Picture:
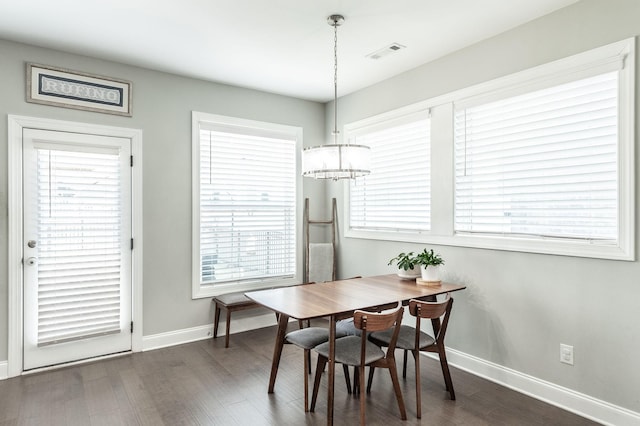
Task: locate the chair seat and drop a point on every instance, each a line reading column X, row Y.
column 406, row 338
column 348, row 351
column 346, row 328
column 307, row 338
column 233, row 299
column 310, row 337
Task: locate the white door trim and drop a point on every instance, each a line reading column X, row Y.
column 15, row 295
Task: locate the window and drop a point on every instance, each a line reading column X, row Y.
column 395, row 197
column 541, row 164
column 245, row 204
column 540, row 161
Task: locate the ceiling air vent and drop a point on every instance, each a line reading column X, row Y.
column 387, row 50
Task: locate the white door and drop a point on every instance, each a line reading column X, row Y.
column 77, row 246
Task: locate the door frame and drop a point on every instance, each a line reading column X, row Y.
column 15, row 300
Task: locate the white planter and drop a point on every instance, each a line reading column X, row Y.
column 430, row 273
column 409, row 274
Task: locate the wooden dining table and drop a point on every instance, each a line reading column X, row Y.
column 337, row 300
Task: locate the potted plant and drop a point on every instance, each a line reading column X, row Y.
column 406, row 263
column 429, row 265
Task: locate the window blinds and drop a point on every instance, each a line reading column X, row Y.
column 541, row 164
column 247, row 204
column 396, row 196
column 80, row 245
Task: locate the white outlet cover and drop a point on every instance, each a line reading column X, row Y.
column 566, row 354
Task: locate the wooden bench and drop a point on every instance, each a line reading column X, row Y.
column 231, row 302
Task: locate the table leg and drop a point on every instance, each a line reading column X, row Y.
column 435, row 322
column 283, row 320
column 332, row 368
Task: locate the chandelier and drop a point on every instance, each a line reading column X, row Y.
column 336, row 161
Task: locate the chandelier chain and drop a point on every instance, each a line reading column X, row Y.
column 335, row 80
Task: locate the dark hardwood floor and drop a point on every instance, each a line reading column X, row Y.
column 203, row 383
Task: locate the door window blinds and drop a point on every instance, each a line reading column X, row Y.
column 542, row 163
column 247, row 204
column 80, row 244
column 396, row 196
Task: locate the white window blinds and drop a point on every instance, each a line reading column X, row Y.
column 80, row 244
column 541, row 164
column 396, row 196
column 247, row 204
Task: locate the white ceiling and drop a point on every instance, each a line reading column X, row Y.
column 279, row 46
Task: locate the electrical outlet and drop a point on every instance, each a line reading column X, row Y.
column 566, row 354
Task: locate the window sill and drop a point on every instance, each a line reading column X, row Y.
column 553, row 246
column 201, row 291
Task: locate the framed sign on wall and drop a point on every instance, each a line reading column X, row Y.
column 72, row 89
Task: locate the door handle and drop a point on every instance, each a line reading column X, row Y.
column 31, row 243
column 32, row 261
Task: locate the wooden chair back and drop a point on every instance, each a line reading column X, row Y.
column 378, row 321
column 432, row 310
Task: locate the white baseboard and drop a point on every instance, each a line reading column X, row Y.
column 4, row 370
column 567, row 399
column 178, row 337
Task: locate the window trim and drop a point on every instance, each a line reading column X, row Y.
column 198, row 289
column 442, row 147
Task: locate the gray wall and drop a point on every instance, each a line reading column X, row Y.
column 162, row 105
column 519, row 307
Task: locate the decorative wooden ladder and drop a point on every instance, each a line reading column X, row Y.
column 321, row 246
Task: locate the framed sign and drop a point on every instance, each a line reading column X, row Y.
column 72, row 89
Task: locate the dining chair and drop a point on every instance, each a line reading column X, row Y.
column 358, row 351
column 308, row 338
column 415, row 340
column 345, row 327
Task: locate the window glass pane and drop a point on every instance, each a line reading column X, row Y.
column 543, row 163
column 80, row 244
column 247, row 205
column 396, row 195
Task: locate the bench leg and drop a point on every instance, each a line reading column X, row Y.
column 226, row 337
column 216, row 320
